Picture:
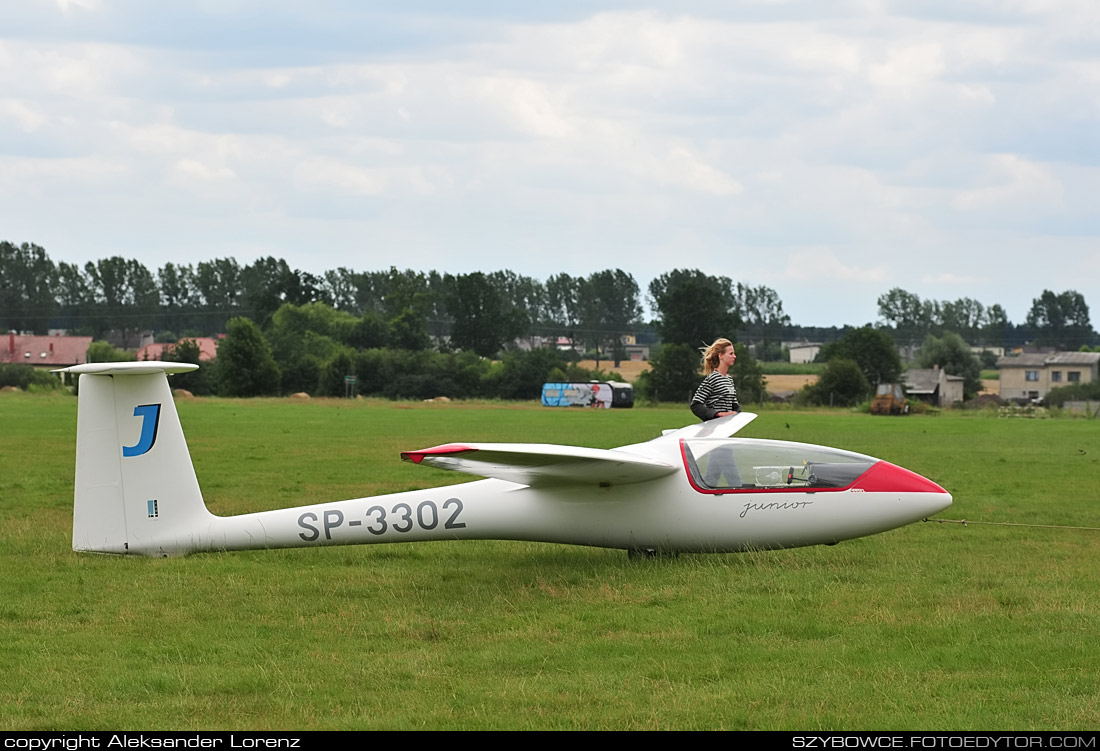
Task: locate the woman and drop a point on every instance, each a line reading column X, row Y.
column 716, row 396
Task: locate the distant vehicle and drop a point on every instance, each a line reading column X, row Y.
column 890, row 400
column 604, row 394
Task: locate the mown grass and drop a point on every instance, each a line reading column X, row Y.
column 770, row 367
column 927, row 627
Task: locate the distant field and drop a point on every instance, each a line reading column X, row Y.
column 793, row 382
column 929, row 627
column 630, row 370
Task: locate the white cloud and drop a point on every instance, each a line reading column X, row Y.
column 1014, row 182
column 29, row 118
column 33, row 175
column 332, row 175
column 68, row 5
column 530, row 106
column 824, row 265
column 948, row 278
column 834, row 146
column 192, row 168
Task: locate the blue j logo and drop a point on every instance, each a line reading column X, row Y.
column 150, row 421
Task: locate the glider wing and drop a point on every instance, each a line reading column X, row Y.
column 723, row 427
column 541, row 464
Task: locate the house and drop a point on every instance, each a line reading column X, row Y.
column 1032, row 375
column 934, row 386
column 208, row 348
column 803, row 351
column 46, row 352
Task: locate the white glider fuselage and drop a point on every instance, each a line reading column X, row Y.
column 690, row 490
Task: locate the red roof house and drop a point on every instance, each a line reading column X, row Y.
column 45, row 351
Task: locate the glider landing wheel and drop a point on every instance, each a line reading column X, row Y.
column 635, row 554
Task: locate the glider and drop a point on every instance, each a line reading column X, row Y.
column 695, row 489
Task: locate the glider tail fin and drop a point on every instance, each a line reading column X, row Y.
column 136, row 490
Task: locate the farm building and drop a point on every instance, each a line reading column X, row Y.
column 1032, row 376
column 934, row 386
column 803, row 351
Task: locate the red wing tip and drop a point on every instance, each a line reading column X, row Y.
column 448, row 448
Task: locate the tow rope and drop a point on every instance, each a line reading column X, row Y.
column 966, row 522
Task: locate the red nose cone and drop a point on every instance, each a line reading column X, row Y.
column 885, row 477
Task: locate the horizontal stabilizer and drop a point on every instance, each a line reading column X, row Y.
column 144, row 367
column 541, row 464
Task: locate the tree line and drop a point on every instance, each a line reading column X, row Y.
column 1055, row 319
column 316, row 330
column 479, row 311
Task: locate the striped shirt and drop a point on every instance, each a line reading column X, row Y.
column 715, row 394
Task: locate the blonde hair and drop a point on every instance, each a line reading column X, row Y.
column 713, row 353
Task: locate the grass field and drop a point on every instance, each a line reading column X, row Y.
column 932, row 626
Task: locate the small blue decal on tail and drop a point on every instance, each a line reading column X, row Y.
column 150, row 421
column 153, row 511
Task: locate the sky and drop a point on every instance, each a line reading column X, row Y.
column 830, row 151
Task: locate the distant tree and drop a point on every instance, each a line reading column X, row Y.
column 27, row 281
column 331, row 381
column 524, row 296
column 954, row 357
column 1057, row 397
column 988, row 359
column 694, row 308
column 27, row 377
column 562, row 313
column 761, row 310
column 124, row 295
column 840, row 384
column 198, row 382
column 484, row 320
column 610, row 307
column 965, row 317
column 872, row 349
column 219, row 285
column 263, row 285
column 370, row 331
column 100, row 351
column 179, row 297
column 995, row 325
column 339, row 287
column 74, row 296
column 521, row 374
column 1061, row 320
column 245, row 366
column 748, row 377
column 305, row 337
column 405, row 300
column 408, row 332
column 910, row 318
column 674, row 374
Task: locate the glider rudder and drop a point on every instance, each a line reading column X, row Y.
column 136, row 490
